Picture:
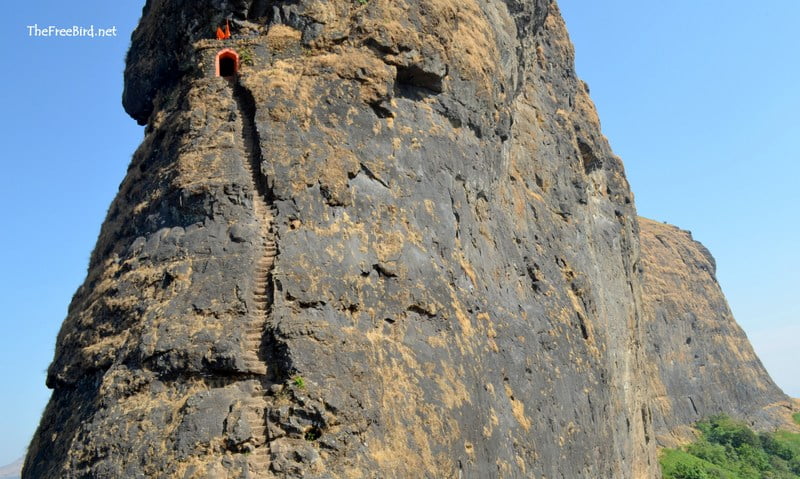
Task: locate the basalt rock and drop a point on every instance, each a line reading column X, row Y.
column 704, row 364
column 393, row 244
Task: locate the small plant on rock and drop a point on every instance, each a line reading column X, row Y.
column 246, row 57
column 313, row 434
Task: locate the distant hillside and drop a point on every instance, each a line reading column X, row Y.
column 13, row 470
column 705, row 362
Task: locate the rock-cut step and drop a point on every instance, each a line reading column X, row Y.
column 255, row 412
column 258, row 462
column 253, row 364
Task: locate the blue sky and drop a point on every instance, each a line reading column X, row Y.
column 66, row 145
column 698, row 98
column 701, row 102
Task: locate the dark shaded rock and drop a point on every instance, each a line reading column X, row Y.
column 202, row 419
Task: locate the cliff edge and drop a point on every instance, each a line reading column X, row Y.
column 704, row 364
column 394, row 244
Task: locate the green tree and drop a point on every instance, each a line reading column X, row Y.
column 729, row 449
column 685, row 470
column 713, row 453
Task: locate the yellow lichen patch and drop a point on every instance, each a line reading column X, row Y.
column 335, row 169
column 483, row 229
column 354, row 473
column 430, row 207
column 503, row 467
column 585, row 109
column 281, row 36
column 202, row 168
column 466, row 35
column 564, row 316
column 540, row 57
column 438, row 341
column 518, row 202
column 105, row 347
column 521, row 463
column 342, row 225
column 283, row 77
column 534, row 195
column 389, row 24
column 461, row 317
column 577, row 306
column 488, row 429
column 388, row 246
column 454, row 393
column 469, row 448
column 571, row 429
column 153, row 198
column 325, row 12
column 518, row 409
column 407, row 448
column 486, row 323
column 413, row 234
column 468, row 269
column 361, row 65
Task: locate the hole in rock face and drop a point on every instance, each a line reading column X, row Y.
column 313, row 433
column 227, row 63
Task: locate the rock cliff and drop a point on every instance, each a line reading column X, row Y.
column 395, row 244
column 704, row 364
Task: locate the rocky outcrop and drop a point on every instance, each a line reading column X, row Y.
column 704, row 364
column 452, row 290
column 396, row 244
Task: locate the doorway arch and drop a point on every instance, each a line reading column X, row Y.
column 227, row 63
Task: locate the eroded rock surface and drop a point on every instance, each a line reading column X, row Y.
column 452, row 289
column 396, row 244
column 704, row 364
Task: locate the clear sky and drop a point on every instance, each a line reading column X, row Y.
column 701, row 100
column 698, row 98
column 66, row 145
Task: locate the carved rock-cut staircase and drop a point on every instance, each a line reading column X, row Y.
column 260, row 304
column 262, row 287
column 255, row 412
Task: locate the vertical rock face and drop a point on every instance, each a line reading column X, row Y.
column 704, row 363
column 395, row 244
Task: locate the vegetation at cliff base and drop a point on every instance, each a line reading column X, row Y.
column 728, row 449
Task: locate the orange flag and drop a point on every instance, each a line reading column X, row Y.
column 220, row 34
column 227, row 29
